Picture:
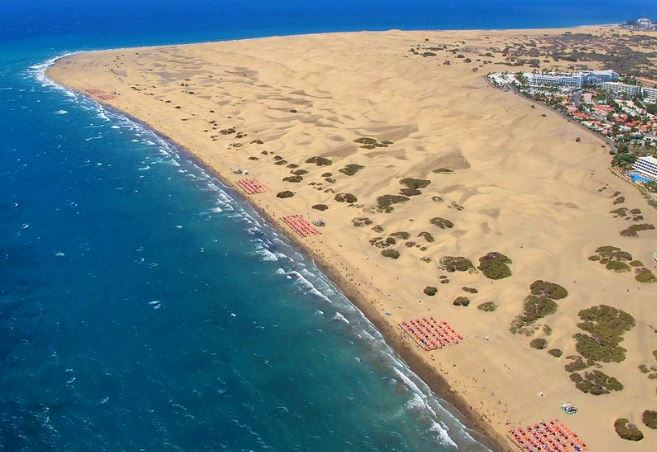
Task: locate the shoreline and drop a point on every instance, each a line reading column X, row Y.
column 514, row 163
column 470, row 418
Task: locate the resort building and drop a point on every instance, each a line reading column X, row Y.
column 577, row 80
column 649, row 94
column 646, row 166
column 621, row 88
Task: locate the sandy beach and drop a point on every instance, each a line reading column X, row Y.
column 398, row 144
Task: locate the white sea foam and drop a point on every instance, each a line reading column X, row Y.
column 339, row 317
column 61, row 112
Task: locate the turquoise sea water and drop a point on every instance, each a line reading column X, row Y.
column 143, row 305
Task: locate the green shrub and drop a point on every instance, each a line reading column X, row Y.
column 442, row 223
column 298, row 172
column 456, row 264
column 402, row 235
column 649, row 418
column 534, row 308
column 371, row 143
column 494, row 265
column 320, row 207
column 390, row 253
column 604, row 250
column 488, row 306
column 430, row 290
column 470, row 290
column 294, row 179
column 410, row 192
column 576, row 364
column 409, row 182
column 548, row 289
column 633, row 230
column 351, row 169
column 627, row 431
column 386, row 202
column 644, row 275
column 597, row 383
column 538, row 343
column 606, row 326
column 346, row 197
column 618, row 266
column 365, row 140
column 285, row 194
column 598, row 350
column 361, row 221
column 461, row 301
column 319, row 161
column 606, row 321
column 555, row 352
column 426, row 236
column 443, row 171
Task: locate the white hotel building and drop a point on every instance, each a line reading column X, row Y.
column 577, row 80
column 621, row 88
column 646, row 166
column 649, row 94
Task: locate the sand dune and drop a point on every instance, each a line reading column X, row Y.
column 507, row 177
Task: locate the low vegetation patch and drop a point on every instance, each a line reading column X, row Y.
column 361, row 221
column 386, row 202
column 410, row 192
column 371, row 143
column 627, row 430
column 619, row 261
column 633, row 231
column 401, row 235
column 470, row 290
column 461, row 301
column 606, row 326
column 379, row 242
column 320, row 207
column 351, row 169
column 645, row 276
column 390, row 253
column 294, row 179
column 575, row 364
column 456, row 264
column 426, row 236
column 409, row 182
column 596, row 382
column 649, row 418
column 555, row 352
column 319, row 161
column 547, row 289
column 488, row 306
column 534, row 308
column 285, row 194
column 298, row 172
column 430, row 290
column 443, row 171
column 494, row 265
column 442, row 223
column 346, row 197
column 538, row 343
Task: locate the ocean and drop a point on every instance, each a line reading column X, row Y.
column 143, row 304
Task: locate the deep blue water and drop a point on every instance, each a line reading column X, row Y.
column 142, row 304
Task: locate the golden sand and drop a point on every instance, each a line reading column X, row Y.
column 521, row 185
